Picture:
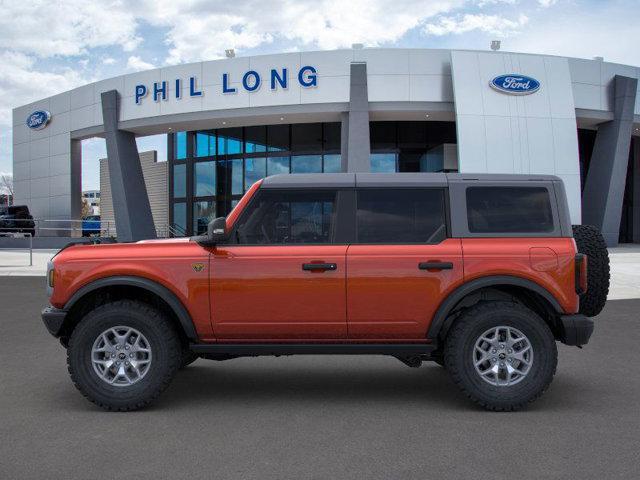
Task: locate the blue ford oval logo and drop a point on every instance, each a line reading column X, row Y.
column 38, row 119
column 515, row 84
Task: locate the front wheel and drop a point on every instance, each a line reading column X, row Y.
column 123, row 354
column 501, row 354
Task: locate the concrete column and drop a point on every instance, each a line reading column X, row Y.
column 604, row 187
column 636, row 189
column 76, row 185
column 344, row 141
column 357, row 142
column 130, row 201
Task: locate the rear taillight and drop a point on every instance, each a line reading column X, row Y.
column 581, row 273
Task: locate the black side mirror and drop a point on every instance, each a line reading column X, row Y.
column 217, row 230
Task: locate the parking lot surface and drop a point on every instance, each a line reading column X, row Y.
column 316, row 417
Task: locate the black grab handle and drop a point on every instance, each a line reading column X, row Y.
column 319, row 266
column 435, row 265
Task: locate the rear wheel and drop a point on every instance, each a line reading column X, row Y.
column 123, row 354
column 590, row 241
column 501, row 354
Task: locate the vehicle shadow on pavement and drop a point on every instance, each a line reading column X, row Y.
column 429, row 386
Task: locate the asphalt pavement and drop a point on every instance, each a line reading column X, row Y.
column 316, row 417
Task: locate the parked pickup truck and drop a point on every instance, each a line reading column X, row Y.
column 482, row 274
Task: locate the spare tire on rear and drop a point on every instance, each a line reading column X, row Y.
column 590, row 242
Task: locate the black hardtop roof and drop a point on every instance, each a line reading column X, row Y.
column 418, row 179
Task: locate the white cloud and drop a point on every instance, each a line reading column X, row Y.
column 491, row 24
column 136, row 63
column 325, row 24
column 71, row 27
column 547, row 3
column 108, row 61
column 587, row 37
column 20, row 83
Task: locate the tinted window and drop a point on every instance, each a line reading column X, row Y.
column 203, row 213
column 180, row 146
column 204, row 181
column 205, row 144
column 288, row 217
column 306, row 164
column 509, row 209
column 180, row 180
column 401, row 216
column 332, row 163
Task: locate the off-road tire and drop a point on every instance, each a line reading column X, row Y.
column 460, row 343
column 590, row 241
column 165, row 346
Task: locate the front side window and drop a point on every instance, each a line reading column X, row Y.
column 278, row 217
column 509, row 210
column 401, row 216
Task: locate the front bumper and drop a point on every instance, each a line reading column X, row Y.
column 576, row 329
column 53, row 319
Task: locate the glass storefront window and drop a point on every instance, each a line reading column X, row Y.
column 203, row 213
column 276, row 165
column 331, row 133
column 180, row 180
column 230, row 141
column 205, row 144
column 180, row 217
column 243, row 155
column 306, row 164
column 255, row 139
column 254, row 170
column 180, row 146
column 204, row 179
column 383, row 162
column 278, row 137
column 332, row 164
column 236, row 177
column 306, row 136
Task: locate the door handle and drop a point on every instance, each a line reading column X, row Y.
column 315, row 267
column 435, row 266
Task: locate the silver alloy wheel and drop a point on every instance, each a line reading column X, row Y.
column 503, row 356
column 121, row 356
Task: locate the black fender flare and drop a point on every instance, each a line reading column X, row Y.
column 440, row 318
column 151, row 286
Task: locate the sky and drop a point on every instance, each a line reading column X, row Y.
column 48, row 47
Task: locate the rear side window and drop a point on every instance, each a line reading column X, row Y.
column 288, row 217
column 401, row 216
column 509, row 210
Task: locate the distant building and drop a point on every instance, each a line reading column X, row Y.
column 156, row 182
column 93, row 198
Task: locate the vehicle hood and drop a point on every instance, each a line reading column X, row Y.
column 123, row 251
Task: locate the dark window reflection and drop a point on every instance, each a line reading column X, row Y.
column 203, row 213
column 180, row 180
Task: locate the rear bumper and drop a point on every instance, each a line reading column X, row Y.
column 53, row 319
column 576, row 329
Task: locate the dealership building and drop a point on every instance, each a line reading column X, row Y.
column 231, row 122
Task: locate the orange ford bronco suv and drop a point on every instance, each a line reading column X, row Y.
column 479, row 273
